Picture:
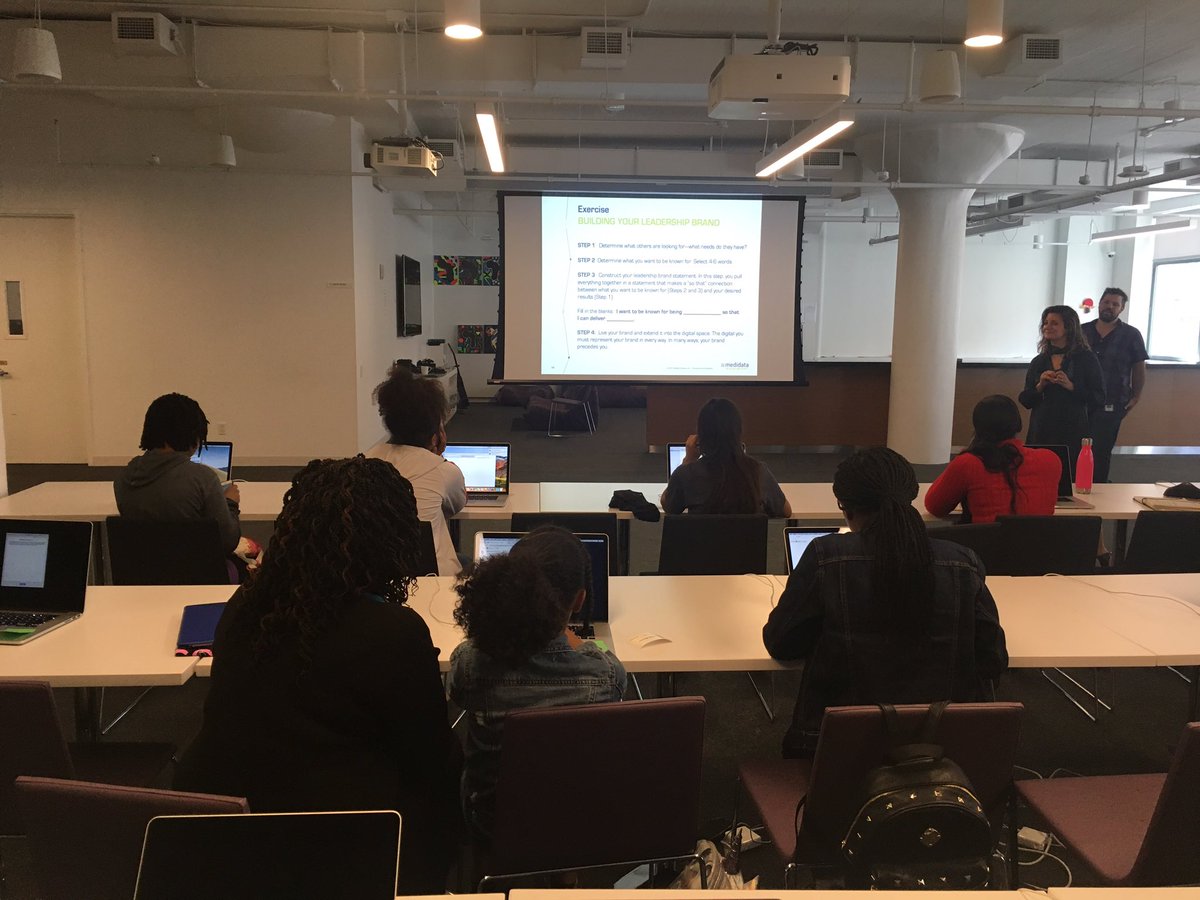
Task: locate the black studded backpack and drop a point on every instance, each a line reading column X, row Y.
column 919, row 824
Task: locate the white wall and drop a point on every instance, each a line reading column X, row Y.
column 466, row 304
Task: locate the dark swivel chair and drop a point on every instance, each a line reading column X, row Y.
column 1164, row 541
column 142, row 551
column 699, row 544
column 985, row 539
column 1044, row 545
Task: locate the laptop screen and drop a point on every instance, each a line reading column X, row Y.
column 498, row 543
column 484, row 466
column 45, row 565
column 1066, row 483
column 675, row 454
column 216, row 455
column 300, row 856
column 796, row 541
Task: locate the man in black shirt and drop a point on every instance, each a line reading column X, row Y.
column 1123, row 356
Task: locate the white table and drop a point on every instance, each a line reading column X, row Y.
column 1164, row 893
column 647, row 894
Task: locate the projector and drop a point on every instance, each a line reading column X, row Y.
column 778, row 86
column 409, row 158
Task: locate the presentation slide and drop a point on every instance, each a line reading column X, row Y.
column 637, row 288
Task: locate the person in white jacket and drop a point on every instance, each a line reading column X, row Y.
column 414, row 412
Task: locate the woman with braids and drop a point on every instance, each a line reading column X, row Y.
column 996, row 475
column 519, row 651
column 1063, row 383
column 717, row 476
column 883, row 614
column 325, row 690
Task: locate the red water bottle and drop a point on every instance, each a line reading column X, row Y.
column 1084, row 467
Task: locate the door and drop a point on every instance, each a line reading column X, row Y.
column 45, row 398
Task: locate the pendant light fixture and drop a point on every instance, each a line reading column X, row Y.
column 985, row 23
column 35, row 55
column 462, row 19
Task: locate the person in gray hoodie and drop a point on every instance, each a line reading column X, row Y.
column 164, row 484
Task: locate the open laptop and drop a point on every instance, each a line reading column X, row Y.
column 43, row 576
column 591, row 622
column 1066, row 481
column 301, row 856
column 485, row 470
column 218, row 456
column 796, row 541
column 675, row 455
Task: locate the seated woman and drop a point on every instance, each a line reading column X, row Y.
column 883, row 614
column 163, row 484
column 519, row 651
column 996, row 475
column 325, row 688
column 717, row 475
column 414, row 411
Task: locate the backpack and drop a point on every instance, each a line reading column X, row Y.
column 919, row 824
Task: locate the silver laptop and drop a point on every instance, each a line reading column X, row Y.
column 43, row 576
column 485, row 470
column 1066, row 482
column 301, row 856
column 796, row 541
column 591, row 622
column 675, row 455
column 218, row 456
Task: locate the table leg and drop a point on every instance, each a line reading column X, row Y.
column 1194, row 696
column 1120, row 540
column 623, row 545
column 666, row 684
column 88, row 708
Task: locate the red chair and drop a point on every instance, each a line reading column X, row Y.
column 1128, row 830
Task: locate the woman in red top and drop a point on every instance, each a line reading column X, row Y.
column 996, row 475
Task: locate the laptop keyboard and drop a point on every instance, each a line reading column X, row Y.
column 24, row 620
column 584, row 632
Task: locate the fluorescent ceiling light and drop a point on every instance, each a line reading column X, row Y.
column 489, row 131
column 814, row 135
column 462, row 19
column 985, row 23
column 1120, row 233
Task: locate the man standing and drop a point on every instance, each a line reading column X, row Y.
column 1123, row 358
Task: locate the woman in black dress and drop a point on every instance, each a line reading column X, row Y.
column 1062, row 384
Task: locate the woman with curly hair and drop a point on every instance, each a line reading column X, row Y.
column 325, row 689
column 519, row 651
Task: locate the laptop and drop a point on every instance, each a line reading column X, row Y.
column 675, row 454
column 301, row 856
column 1066, row 482
column 218, row 456
column 485, row 470
column 796, row 541
column 591, row 622
column 43, row 576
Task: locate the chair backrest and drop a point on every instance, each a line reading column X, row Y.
column 639, row 764
column 1040, row 545
column 86, row 839
column 984, row 539
column 31, row 743
column 148, row 552
column 980, row 737
column 1164, row 541
column 428, row 564
column 579, row 523
column 1168, row 854
column 694, row 544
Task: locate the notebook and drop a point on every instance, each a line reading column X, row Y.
column 796, row 541
column 1066, row 482
column 1168, row 503
column 591, row 622
column 218, row 456
column 198, row 628
column 43, row 576
column 485, row 470
column 301, row 856
column 675, row 454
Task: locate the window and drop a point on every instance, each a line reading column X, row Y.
column 1175, row 311
column 16, row 318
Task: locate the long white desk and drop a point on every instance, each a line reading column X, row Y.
column 647, row 894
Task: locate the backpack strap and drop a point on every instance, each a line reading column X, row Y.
column 923, row 745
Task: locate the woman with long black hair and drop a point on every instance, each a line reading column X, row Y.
column 883, row 614
column 996, row 475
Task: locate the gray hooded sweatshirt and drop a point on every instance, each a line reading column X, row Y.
column 170, row 487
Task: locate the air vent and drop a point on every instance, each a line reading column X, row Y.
column 145, row 34
column 1036, row 47
column 1029, row 54
column 448, row 149
column 823, row 159
column 135, row 28
column 602, row 48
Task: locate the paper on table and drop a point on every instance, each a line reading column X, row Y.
column 646, row 638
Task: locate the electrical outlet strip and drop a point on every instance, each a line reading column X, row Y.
column 749, row 838
column 1032, row 839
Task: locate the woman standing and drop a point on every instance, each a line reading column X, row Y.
column 1063, row 383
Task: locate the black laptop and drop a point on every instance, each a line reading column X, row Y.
column 43, row 576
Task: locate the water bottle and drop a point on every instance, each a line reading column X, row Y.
column 1084, row 467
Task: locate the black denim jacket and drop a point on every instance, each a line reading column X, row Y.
column 854, row 653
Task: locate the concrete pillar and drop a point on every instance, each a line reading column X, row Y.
column 929, row 270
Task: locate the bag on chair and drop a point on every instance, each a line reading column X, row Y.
column 919, row 824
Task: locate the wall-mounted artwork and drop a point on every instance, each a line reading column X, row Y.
column 466, row 270
column 470, row 338
column 491, row 338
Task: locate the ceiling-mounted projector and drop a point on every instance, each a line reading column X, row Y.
column 778, row 86
column 413, row 156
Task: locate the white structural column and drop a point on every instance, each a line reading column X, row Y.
column 929, row 270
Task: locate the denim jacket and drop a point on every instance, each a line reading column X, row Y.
column 488, row 691
column 854, row 653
